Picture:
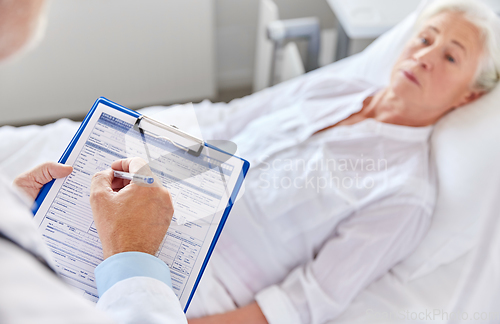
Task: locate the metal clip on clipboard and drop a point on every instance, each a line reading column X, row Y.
column 172, row 129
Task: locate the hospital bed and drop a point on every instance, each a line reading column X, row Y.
column 455, row 271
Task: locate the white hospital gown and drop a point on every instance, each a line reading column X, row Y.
column 322, row 215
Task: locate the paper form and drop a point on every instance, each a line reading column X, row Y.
column 198, row 191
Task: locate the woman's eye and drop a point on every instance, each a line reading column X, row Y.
column 424, row 41
column 450, row 58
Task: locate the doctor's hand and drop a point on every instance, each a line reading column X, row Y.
column 129, row 216
column 32, row 181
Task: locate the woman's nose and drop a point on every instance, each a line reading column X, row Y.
column 425, row 57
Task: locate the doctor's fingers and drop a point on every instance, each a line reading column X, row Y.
column 101, row 186
column 154, row 193
column 132, row 165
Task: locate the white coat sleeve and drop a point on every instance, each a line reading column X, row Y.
column 365, row 246
column 135, row 287
column 142, row 300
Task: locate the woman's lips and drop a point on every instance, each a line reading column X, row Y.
column 411, row 77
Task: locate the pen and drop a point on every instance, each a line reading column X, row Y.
column 134, row 177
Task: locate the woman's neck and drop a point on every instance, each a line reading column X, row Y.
column 384, row 107
column 388, row 108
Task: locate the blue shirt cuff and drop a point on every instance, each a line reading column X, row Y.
column 125, row 265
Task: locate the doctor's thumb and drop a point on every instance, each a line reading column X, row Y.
column 43, row 174
column 54, row 170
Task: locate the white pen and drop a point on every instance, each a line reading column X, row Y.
column 134, row 177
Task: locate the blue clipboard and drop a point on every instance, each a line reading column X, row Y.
column 246, row 165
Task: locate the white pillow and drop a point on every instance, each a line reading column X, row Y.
column 465, row 151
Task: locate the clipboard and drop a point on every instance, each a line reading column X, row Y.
column 194, row 149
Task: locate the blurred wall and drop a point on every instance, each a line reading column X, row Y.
column 135, row 52
column 236, row 28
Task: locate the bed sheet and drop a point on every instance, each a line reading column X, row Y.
column 389, row 300
column 22, row 148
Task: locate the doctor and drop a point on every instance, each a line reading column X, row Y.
column 134, row 286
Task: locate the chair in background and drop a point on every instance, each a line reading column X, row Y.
column 277, row 56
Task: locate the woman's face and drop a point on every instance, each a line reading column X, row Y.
column 435, row 72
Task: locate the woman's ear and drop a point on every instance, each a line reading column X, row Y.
column 470, row 97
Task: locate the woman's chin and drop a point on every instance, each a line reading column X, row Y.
column 405, row 89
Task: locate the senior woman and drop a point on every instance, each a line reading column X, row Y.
column 341, row 187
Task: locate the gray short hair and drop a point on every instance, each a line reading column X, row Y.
column 479, row 14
